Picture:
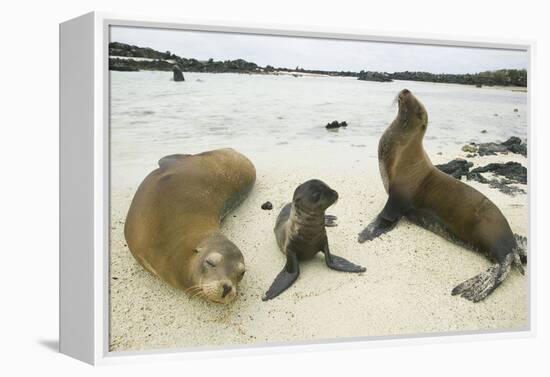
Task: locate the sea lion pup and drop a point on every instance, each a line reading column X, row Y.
column 439, row 202
column 300, row 233
column 173, row 225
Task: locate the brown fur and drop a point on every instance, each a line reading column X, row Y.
column 174, row 219
column 465, row 212
column 439, row 202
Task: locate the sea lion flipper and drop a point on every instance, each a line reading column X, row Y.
column 375, row 229
column 330, row 221
column 337, row 263
column 167, row 160
column 285, row 278
column 385, row 221
column 521, row 247
column 480, row 286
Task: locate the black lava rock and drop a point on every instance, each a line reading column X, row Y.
column 514, row 171
column 267, row 206
column 178, row 75
column 488, row 149
column 456, row 168
column 336, row 124
column 513, row 144
column 514, row 140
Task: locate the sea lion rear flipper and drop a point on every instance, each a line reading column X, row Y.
column 480, row 286
column 167, row 160
column 285, row 278
column 385, row 221
column 522, row 247
column 330, row 221
column 337, row 263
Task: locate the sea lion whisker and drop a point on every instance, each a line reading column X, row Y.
column 198, row 294
column 192, row 291
column 192, row 288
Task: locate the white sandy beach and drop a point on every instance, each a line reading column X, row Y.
column 405, row 290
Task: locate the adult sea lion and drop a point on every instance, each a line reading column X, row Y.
column 300, row 233
column 173, row 225
column 438, row 202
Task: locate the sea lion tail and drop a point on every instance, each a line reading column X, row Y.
column 517, row 264
column 480, row 286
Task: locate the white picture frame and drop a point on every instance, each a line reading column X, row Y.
column 84, row 189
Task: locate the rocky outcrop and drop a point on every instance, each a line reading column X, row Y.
column 118, row 65
column 456, row 168
column 503, row 77
column 374, row 76
column 126, row 50
column 131, row 65
column 514, row 173
column 178, row 75
column 163, row 61
column 513, row 144
column 335, row 124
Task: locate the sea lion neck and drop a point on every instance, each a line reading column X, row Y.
column 306, row 223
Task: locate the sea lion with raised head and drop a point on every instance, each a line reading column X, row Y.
column 439, row 202
column 173, row 225
column 301, row 234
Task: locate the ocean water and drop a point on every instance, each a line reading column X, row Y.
column 268, row 115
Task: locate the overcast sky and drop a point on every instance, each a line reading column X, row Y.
column 320, row 54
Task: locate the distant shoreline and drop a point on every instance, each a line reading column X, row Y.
column 128, row 58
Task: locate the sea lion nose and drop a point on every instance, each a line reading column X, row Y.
column 226, row 290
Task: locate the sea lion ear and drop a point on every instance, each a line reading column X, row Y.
column 197, row 250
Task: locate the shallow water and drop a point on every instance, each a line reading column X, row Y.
column 268, row 115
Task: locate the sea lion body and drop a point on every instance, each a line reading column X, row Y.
column 173, row 224
column 300, row 233
column 439, row 202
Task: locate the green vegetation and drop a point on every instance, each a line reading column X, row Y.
column 504, row 77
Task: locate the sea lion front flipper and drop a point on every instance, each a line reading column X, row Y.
column 285, row 278
column 385, row 221
column 330, row 220
column 166, row 160
column 337, row 263
column 480, row 286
